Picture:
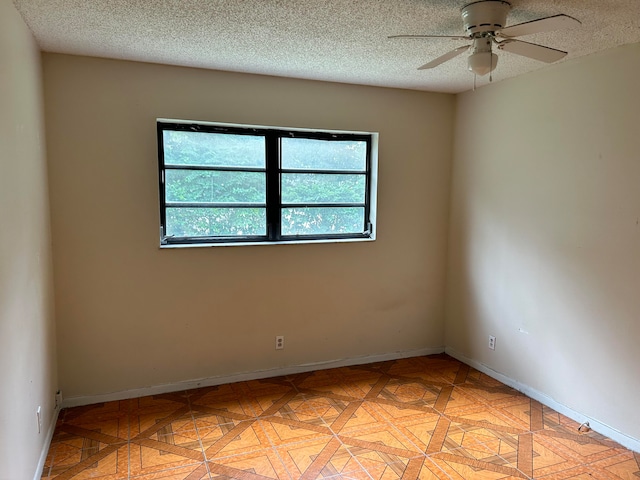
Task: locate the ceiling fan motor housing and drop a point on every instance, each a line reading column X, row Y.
column 485, row 16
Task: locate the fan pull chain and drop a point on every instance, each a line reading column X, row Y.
column 491, row 71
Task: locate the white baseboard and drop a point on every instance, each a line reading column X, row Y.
column 46, row 444
column 616, row 435
column 239, row 377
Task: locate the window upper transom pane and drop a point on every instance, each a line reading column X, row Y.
column 213, row 149
column 312, row 154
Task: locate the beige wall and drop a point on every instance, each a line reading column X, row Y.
column 27, row 337
column 545, row 233
column 131, row 315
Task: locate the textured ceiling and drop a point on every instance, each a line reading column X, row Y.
column 335, row 40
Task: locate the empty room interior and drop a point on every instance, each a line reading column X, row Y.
column 506, row 209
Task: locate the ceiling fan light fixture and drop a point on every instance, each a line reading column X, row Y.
column 482, row 63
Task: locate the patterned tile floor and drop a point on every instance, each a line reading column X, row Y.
column 418, row 418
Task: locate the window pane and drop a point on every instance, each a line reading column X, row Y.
column 322, row 188
column 322, row 220
column 213, row 149
column 211, row 222
column 214, row 186
column 304, row 153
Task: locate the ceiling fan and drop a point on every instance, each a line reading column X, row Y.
column 484, row 24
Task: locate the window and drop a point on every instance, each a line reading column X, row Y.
column 228, row 184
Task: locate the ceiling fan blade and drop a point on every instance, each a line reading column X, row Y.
column 547, row 24
column 457, row 37
column 444, row 58
column 531, row 50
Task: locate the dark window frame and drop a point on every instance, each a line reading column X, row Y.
column 273, row 172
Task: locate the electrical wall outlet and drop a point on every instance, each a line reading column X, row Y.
column 492, row 342
column 58, row 399
column 279, row 342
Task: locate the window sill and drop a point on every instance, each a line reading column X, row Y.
column 246, row 244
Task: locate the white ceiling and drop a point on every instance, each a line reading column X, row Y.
column 335, row 40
